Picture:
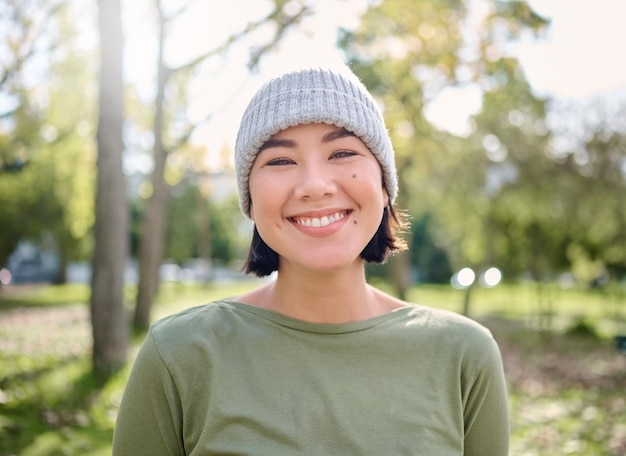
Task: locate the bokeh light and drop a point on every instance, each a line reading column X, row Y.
column 490, row 278
column 463, row 279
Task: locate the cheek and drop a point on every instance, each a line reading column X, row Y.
column 369, row 179
column 265, row 194
column 256, row 187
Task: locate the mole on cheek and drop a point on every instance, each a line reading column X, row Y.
column 354, row 175
column 354, row 222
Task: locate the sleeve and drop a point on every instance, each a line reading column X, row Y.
column 486, row 413
column 149, row 421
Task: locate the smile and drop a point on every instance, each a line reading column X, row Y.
column 320, row 222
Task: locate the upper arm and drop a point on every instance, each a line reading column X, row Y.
column 486, row 413
column 150, row 418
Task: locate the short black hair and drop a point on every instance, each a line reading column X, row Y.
column 263, row 260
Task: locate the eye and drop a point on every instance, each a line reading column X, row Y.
column 280, row 161
column 344, row 154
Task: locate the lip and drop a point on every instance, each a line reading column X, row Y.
column 320, row 221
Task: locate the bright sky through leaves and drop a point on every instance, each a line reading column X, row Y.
column 579, row 57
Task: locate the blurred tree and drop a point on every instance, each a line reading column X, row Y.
column 21, row 47
column 196, row 219
column 68, row 133
column 230, row 231
column 185, row 207
column 108, row 315
column 593, row 188
column 407, row 53
column 19, row 191
column 284, row 15
column 559, row 204
column 45, row 133
column 511, row 140
column 520, row 233
column 430, row 261
column 28, row 36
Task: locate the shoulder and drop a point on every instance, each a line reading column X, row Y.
column 450, row 329
column 457, row 322
column 184, row 319
column 191, row 327
column 461, row 341
column 436, row 322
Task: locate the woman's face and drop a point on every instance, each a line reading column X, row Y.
column 317, row 196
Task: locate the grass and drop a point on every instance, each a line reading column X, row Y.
column 566, row 391
column 43, row 295
column 566, row 379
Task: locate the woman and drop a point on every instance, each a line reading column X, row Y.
column 317, row 361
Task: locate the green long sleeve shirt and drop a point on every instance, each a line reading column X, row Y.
column 232, row 379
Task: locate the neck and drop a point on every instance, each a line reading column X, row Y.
column 328, row 297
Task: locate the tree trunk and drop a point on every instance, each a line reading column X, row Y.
column 203, row 226
column 61, row 277
column 153, row 232
column 400, row 265
column 108, row 317
column 151, row 243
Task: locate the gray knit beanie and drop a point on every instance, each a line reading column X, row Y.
column 314, row 95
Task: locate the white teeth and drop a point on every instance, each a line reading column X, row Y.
column 316, row 222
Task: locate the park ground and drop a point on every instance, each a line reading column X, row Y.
column 566, row 377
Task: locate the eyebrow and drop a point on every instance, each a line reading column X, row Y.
column 336, row 134
column 289, row 143
column 277, row 143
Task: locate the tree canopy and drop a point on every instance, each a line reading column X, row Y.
column 507, row 193
column 534, row 186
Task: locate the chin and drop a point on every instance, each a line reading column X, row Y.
column 324, row 265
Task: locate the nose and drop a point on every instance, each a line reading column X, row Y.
column 315, row 181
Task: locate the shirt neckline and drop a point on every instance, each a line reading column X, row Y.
column 318, row 328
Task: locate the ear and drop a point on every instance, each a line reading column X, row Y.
column 251, row 211
column 385, row 196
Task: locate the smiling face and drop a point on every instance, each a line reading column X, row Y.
column 317, row 196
